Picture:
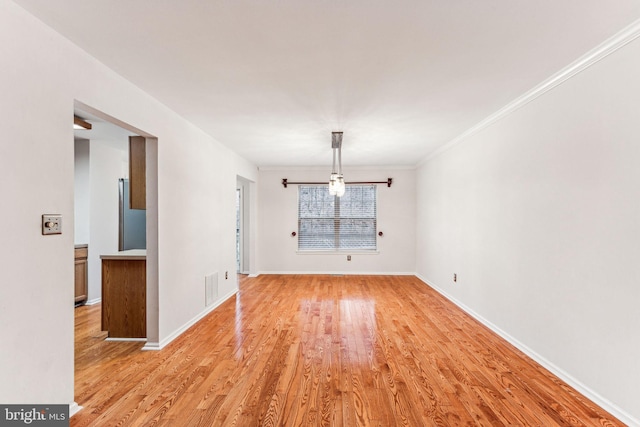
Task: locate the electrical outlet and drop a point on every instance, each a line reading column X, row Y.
column 348, row 257
column 455, row 277
column 51, row 224
column 226, row 275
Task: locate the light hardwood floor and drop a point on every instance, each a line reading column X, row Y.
column 323, row 351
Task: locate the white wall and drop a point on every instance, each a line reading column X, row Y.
column 196, row 203
column 278, row 217
column 106, row 170
column 99, row 164
column 81, row 191
column 539, row 217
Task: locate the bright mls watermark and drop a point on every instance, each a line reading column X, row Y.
column 34, row 415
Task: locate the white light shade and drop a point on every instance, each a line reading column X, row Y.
column 340, row 187
column 333, row 184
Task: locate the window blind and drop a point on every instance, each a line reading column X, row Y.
column 331, row 223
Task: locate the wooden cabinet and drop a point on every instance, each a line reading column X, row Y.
column 124, row 294
column 81, row 276
column 137, row 172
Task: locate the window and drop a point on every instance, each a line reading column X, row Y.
column 331, row 223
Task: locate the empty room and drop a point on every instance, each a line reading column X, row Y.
column 312, row 213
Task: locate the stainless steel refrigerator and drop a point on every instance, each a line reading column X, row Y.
column 133, row 222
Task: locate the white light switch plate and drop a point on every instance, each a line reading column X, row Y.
column 51, row 224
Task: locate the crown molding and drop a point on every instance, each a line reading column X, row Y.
column 622, row 38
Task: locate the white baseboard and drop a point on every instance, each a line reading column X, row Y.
column 74, row 408
column 604, row 403
column 341, row 273
column 93, row 301
column 254, row 275
column 162, row 344
column 151, row 346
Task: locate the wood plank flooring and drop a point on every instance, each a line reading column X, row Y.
column 323, row 351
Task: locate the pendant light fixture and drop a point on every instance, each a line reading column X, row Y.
column 336, row 180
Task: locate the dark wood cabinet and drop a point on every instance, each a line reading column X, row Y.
column 124, row 294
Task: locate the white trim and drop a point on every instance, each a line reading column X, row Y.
column 340, row 252
column 627, row 35
column 342, row 273
column 74, row 408
column 93, row 301
column 254, row 275
column 162, row 344
column 604, row 403
column 151, row 346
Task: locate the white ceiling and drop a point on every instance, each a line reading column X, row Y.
column 272, row 79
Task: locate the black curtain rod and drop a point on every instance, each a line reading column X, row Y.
column 285, row 182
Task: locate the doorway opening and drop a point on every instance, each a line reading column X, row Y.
column 244, row 259
column 101, row 159
column 238, row 230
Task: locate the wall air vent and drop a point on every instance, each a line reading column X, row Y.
column 210, row 288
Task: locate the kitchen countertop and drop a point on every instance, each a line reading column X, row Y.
column 131, row 254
